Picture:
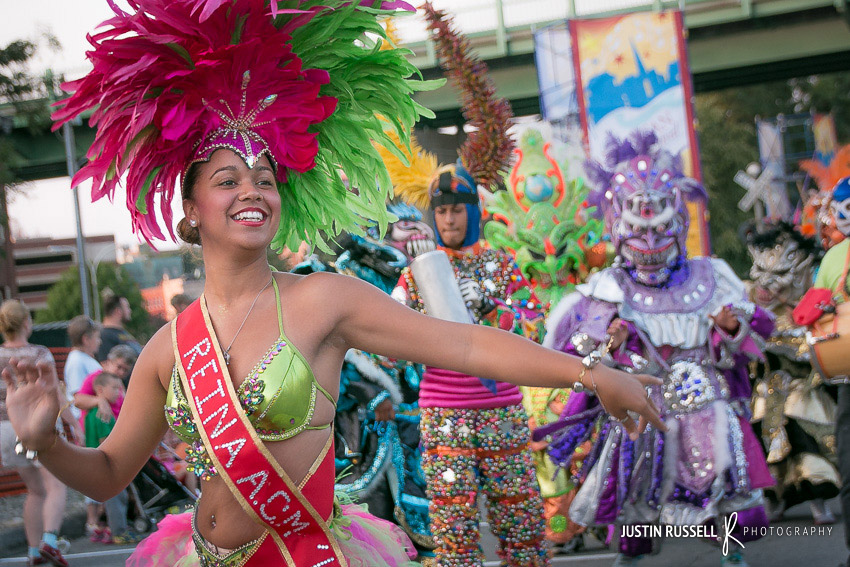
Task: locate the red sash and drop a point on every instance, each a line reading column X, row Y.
column 300, row 537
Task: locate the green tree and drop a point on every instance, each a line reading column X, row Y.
column 64, row 300
column 826, row 94
column 23, row 100
column 726, row 145
column 728, row 142
column 22, row 104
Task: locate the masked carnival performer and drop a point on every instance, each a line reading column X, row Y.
column 474, row 433
column 792, row 413
column 378, row 455
column 542, row 222
column 687, row 321
column 380, row 262
column 818, row 218
column 833, row 275
column 251, row 107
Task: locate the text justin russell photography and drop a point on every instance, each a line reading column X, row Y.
column 710, row 531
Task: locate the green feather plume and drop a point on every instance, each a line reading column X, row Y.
column 370, row 83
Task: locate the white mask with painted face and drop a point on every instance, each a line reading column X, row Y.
column 841, row 214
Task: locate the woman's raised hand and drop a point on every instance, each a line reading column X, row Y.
column 32, row 401
column 621, row 393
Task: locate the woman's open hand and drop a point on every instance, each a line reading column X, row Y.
column 32, row 401
column 621, row 393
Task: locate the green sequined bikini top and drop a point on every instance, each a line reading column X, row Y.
column 279, row 394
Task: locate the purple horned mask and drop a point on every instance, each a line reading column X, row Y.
column 642, row 193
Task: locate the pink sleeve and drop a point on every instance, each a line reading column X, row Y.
column 88, row 385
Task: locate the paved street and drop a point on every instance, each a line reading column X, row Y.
column 83, row 553
column 772, row 551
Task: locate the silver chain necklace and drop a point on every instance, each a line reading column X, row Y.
column 227, row 350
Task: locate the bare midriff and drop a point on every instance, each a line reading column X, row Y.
column 222, row 521
column 219, row 518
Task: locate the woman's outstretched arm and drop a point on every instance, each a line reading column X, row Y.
column 103, row 472
column 370, row 320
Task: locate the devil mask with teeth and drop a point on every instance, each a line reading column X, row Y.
column 409, row 234
column 783, row 261
column 642, row 193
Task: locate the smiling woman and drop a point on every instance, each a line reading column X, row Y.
column 257, row 107
column 248, row 196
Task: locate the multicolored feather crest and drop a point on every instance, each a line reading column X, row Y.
column 169, row 73
column 488, row 149
column 827, row 176
column 817, row 217
column 392, row 40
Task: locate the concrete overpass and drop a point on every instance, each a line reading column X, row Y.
column 731, row 43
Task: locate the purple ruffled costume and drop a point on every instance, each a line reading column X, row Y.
column 709, row 463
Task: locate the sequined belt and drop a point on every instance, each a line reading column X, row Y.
column 690, row 386
column 211, row 555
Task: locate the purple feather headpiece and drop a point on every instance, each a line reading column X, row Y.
column 620, row 158
column 642, row 193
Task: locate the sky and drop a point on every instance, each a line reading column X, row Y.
column 45, row 208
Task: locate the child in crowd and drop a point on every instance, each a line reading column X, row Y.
column 119, row 362
column 110, row 388
column 172, row 454
column 84, row 335
column 107, row 387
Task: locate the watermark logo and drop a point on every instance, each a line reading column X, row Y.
column 730, row 532
column 729, row 524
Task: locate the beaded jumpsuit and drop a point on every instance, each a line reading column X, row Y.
column 476, row 440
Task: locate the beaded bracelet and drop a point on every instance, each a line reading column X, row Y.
column 31, row 454
column 588, row 363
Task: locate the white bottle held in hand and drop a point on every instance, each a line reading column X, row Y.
column 438, row 288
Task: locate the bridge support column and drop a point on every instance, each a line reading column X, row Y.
column 8, row 279
column 501, row 32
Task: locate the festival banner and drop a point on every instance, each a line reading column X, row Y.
column 632, row 74
column 826, row 139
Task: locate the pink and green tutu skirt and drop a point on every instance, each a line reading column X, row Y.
column 366, row 541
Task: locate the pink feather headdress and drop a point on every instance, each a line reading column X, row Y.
column 174, row 80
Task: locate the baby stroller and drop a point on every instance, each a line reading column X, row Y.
column 156, row 492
